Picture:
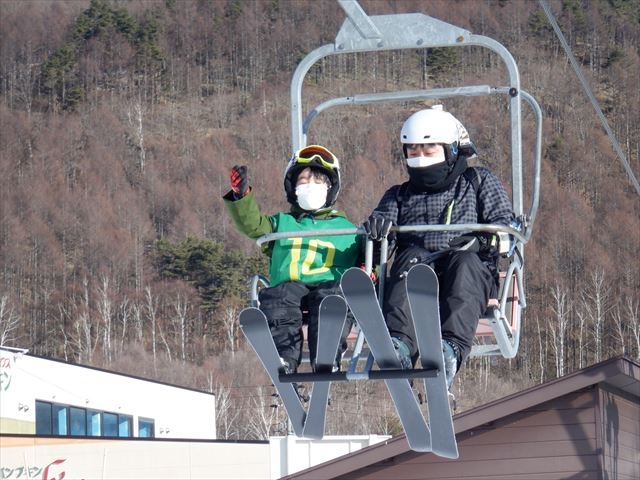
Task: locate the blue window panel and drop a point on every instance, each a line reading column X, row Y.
column 78, row 421
column 43, row 418
column 60, row 422
column 146, row 428
column 124, row 426
column 94, row 423
column 109, row 425
column 56, row 419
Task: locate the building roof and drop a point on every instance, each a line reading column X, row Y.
column 620, row 374
column 25, row 351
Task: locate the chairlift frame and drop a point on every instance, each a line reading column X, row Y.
column 499, row 332
column 362, row 33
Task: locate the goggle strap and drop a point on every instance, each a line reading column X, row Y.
column 319, row 158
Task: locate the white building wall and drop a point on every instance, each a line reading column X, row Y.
column 112, row 459
column 177, row 412
column 292, row 454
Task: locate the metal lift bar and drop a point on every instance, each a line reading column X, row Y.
column 455, row 227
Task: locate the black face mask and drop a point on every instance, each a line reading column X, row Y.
column 436, row 177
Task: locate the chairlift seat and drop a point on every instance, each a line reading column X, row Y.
column 484, row 324
column 508, row 320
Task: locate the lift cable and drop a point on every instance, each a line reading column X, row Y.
column 589, row 92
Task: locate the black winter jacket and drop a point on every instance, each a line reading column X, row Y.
column 460, row 203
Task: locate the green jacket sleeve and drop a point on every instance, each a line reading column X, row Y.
column 247, row 216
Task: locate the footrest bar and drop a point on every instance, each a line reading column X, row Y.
column 370, row 375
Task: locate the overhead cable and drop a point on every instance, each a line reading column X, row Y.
column 588, row 91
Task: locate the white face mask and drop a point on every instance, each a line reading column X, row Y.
column 312, row 196
column 421, row 162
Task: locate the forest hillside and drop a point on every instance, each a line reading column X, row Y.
column 120, row 120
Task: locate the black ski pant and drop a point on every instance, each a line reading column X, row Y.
column 284, row 304
column 466, row 284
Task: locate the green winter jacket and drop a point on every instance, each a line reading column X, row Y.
column 309, row 260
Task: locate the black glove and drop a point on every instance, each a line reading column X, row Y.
column 377, row 227
column 239, row 182
column 478, row 243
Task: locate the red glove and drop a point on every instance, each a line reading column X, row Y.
column 373, row 275
column 239, row 182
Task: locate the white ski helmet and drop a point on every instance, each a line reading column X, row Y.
column 434, row 125
column 314, row 156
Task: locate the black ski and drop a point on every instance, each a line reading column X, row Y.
column 360, row 294
column 333, row 315
column 422, row 291
column 255, row 327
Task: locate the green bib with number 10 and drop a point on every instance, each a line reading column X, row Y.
column 311, row 259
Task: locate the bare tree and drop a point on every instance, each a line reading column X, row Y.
column 226, row 415
column 84, row 348
column 164, row 340
column 138, row 322
column 631, row 316
column 152, row 310
column 230, row 322
column 558, row 328
column 180, row 306
column 621, row 327
column 382, row 419
column 582, row 328
column 125, row 312
column 105, row 309
column 83, row 327
column 261, row 415
column 484, row 372
column 9, row 322
column 135, row 118
column 541, row 351
column 595, row 306
column 24, row 76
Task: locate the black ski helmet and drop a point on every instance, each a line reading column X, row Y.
column 314, row 156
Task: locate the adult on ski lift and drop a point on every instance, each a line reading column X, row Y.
column 442, row 189
column 302, row 270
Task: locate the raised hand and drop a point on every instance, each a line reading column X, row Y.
column 239, row 181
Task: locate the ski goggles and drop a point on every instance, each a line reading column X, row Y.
column 318, row 155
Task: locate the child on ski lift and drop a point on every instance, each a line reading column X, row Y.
column 302, row 270
column 442, row 189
